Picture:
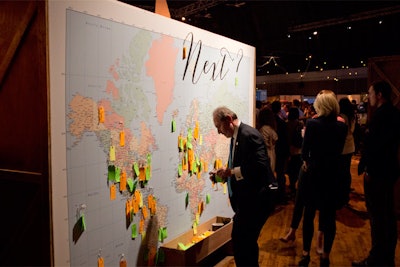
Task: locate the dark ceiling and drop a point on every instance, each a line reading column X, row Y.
column 349, row 32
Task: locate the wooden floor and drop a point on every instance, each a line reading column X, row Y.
column 352, row 241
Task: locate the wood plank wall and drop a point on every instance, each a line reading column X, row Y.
column 24, row 139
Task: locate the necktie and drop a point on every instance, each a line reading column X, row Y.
column 230, row 165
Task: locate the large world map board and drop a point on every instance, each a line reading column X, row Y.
column 140, row 138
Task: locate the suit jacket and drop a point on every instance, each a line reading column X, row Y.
column 251, row 155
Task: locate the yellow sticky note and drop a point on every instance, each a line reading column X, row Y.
column 224, row 185
column 113, row 192
column 201, row 140
column 112, row 153
column 101, row 115
column 122, row 138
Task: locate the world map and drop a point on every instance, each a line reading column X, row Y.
column 140, row 136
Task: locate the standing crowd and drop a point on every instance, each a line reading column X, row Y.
column 313, row 145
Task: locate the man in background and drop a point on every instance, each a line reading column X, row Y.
column 380, row 162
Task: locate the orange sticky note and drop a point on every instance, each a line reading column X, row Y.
column 142, row 174
column 113, row 192
column 122, row 138
column 141, row 226
column 138, row 196
column 122, row 182
column 184, row 52
column 196, row 131
column 101, row 115
column 100, row 262
column 135, row 206
column 127, row 207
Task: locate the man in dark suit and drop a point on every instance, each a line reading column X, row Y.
column 380, row 162
column 249, row 179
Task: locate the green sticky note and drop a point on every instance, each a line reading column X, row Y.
column 83, row 222
column 134, row 230
column 164, row 232
column 147, row 174
column 208, row 198
column 117, row 174
column 181, row 246
column 136, row 169
column 173, row 126
column 187, row 200
column 129, row 181
column 180, row 170
column 111, row 173
column 149, row 159
column 180, row 145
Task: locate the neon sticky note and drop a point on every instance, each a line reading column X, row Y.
column 142, row 174
column 149, row 159
column 134, row 231
column 128, row 206
column 173, row 126
column 201, row 140
column 164, row 232
column 101, row 115
column 148, row 174
column 113, row 192
column 135, row 206
column 122, row 138
column 129, row 181
column 117, row 174
column 112, row 153
column 224, row 185
column 197, row 218
column 141, row 226
column 180, row 143
column 83, row 222
column 181, row 246
column 187, row 200
column 184, row 52
column 122, row 182
column 111, row 173
column 196, row 131
column 100, row 262
column 180, row 170
column 136, row 169
column 208, row 197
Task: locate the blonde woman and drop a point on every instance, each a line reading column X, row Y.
column 322, row 148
